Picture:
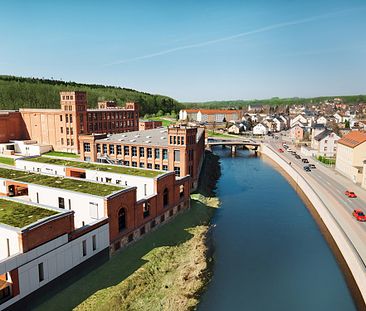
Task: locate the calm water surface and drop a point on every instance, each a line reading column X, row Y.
column 269, row 252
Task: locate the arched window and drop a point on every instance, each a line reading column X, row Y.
column 166, row 197
column 122, row 219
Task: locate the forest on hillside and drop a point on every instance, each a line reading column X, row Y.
column 18, row 92
column 275, row 101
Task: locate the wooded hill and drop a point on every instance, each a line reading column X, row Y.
column 18, row 92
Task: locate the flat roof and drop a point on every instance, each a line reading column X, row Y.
column 19, row 215
column 153, row 137
column 98, row 167
column 77, row 185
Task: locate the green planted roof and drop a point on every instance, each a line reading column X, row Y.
column 19, row 215
column 98, row 167
column 59, row 182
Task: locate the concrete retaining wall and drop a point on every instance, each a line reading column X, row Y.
column 349, row 252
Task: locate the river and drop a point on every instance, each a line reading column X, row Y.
column 269, row 252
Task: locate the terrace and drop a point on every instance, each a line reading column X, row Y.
column 19, row 215
column 98, row 167
column 59, row 182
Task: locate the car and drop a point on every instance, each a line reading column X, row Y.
column 312, row 166
column 307, row 169
column 297, row 156
column 305, row 160
column 280, row 150
column 289, row 150
column 359, row 215
column 350, row 194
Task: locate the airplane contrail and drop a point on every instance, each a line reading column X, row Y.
column 228, row 38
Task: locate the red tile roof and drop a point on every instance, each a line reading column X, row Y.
column 212, row 111
column 353, row 139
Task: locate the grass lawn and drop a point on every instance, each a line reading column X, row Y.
column 98, row 167
column 7, row 161
column 165, row 120
column 62, row 154
column 59, row 182
column 20, row 215
column 216, row 134
column 160, row 272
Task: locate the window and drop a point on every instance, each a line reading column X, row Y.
column 84, row 248
column 94, row 242
column 40, row 272
column 8, row 246
column 61, row 202
column 61, row 118
column 142, row 230
column 165, row 197
column 149, row 152
column 171, row 213
column 134, row 151
column 162, row 218
column 126, row 163
column 177, row 171
column 146, row 209
column 157, row 166
column 134, row 164
column 130, row 238
column 93, row 210
column 67, row 131
column 86, row 147
column 69, row 204
column 153, row 224
column 177, row 155
column 62, row 141
column 181, row 191
column 111, row 149
column 165, row 167
column 126, row 151
column 165, row 154
column 104, row 149
column 68, row 141
column 72, row 142
column 157, row 153
column 119, row 149
column 98, row 148
column 142, row 164
column 71, row 131
column 67, row 118
column 122, row 219
column 142, row 151
column 178, row 140
column 149, row 165
column 70, row 118
column 182, row 140
column 61, row 130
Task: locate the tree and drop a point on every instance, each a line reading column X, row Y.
column 346, row 124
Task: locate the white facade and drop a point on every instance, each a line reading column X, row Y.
column 145, row 185
column 260, row 129
column 56, row 257
column 24, row 147
column 321, row 120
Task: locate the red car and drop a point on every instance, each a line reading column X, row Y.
column 350, row 194
column 359, row 215
column 280, row 150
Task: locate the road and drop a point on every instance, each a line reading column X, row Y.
column 330, row 187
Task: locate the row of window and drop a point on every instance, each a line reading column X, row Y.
column 68, row 118
column 176, row 140
column 110, row 125
column 69, row 142
column 68, row 130
column 111, row 115
column 127, row 150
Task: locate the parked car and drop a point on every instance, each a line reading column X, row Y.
column 312, row 166
column 305, row 160
column 350, row 194
column 280, row 150
column 307, row 169
column 359, row 215
column 297, row 156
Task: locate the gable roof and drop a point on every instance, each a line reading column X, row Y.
column 212, row 111
column 323, row 134
column 353, row 139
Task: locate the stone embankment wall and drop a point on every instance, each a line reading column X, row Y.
column 345, row 246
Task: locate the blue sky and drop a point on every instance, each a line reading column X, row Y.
column 191, row 50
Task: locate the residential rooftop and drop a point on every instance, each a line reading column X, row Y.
column 59, row 182
column 153, row 137
column 353, row 139
column 98, row 167
column 19, row 215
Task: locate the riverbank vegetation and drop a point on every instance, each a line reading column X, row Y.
column 19, row 92
column 166, row 270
